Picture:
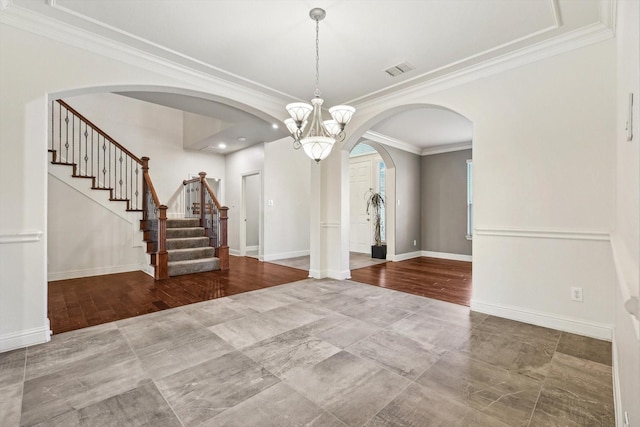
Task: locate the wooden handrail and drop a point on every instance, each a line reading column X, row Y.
column 222, row 248
column 98, row 130
column 190, row 181
column 147, row 180
column 209, row 189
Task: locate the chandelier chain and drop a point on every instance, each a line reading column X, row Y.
column 317, row 91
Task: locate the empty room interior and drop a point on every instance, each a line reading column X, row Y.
column 288, row 213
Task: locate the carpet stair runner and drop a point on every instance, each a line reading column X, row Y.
column 188, row 248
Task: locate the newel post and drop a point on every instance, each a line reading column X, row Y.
column 145, row 189
column 223, row 250
column 203, row 210
column 162, row 269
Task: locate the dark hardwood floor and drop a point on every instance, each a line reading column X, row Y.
column 436, row 278
column 79, row 303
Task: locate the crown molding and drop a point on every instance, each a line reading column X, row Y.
column 469, row 61
column 448, row 148
column 192, row 71
column 405, row 146
column 391, row 142
column 183, row 69
column 437, row 81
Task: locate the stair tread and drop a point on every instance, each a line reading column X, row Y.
column 202, row 248
column 187, row 228
column 187, row 238
column 192, row 261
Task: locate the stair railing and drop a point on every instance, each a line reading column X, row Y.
column 154, row 222
column 77, row 142
column 201, row 202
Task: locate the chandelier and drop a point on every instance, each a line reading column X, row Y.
column 318, row 136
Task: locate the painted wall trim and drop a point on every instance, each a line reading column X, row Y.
column 594, row 330
column 405, row 256
column 438, row 80
column 439, row 149
column 630, row 301
column 285, row 255
column 74, row 274
column 330, row 225
column 617, row 397
column 179, row 66
column 543, row 233
column 316, row 274
column 25, row 338
column 24, row 236
column 339, row 275
column 391, row 142
column 234, row 252
column 445, row 255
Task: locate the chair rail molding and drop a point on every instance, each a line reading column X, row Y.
column 24, row 236
column 542, row 233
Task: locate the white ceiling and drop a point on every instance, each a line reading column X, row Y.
column 269, row 45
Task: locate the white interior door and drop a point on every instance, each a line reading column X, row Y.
column 250, row 226
column 360, row 178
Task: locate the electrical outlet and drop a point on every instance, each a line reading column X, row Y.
column 576, row 294
column 415, row 243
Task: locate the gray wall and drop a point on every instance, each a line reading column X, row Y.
column 409, row 194
column 444, row 203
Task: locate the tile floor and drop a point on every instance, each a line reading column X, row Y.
column 310, row 353
column 356, row 260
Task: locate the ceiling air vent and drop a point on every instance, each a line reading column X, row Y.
column 401, row 68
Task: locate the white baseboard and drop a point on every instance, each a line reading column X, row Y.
column 444, row 255
column 25, row 338
column 148, row 269
column 285, row 255
column 580, row 327
column 339, row 275
column 99, row 271
column 404, row 257
column 317, row 274
column 617, row 401
column 252, row 248
column 234, row 252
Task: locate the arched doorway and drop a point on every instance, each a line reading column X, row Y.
column 448, row 138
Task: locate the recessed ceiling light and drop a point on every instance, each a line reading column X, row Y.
column 275, row 126
column 242, row 139
column 222, row 145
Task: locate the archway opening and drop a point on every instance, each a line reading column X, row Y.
column 429, row 205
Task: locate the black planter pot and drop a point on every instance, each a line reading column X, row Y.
column 379, row 252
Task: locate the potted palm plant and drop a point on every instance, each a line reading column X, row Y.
column 375, row 205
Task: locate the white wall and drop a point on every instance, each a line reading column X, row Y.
column 145, row 129
column 543, row 183
column 86, row 239
column 626, row 235
column 34, row 67
column 287, row 182
column 153, row 131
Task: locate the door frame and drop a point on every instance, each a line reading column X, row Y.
column 243, row 214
